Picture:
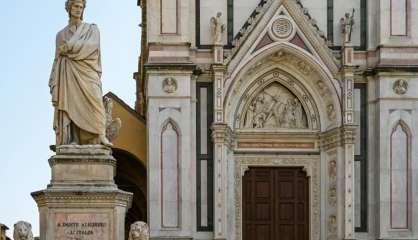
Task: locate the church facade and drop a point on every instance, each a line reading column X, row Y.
column 280, row 119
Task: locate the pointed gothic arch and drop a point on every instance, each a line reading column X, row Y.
column 303, row 68
column 400, row 176
column 282, row 96
column 170, row 174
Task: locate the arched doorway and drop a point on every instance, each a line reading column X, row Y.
column 283, row 108
column 131, row 176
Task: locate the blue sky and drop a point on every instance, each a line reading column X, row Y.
column 27, row 44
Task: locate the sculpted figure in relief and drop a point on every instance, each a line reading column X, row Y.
column 332, row 196
column 75, row 84
column 217, row 29
column 331, row 112
column 332, row 171
column 169, row 85
column 138, row 231
column 22, row 231
column 275, row 107
column 400, row 87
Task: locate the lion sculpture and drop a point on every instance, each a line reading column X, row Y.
column 139, row 231
column 22, row 231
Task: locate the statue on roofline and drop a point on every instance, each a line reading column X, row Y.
column 347, row 23
column 75, row 85
column 217, row 29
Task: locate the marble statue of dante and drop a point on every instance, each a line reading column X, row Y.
column 75, row 84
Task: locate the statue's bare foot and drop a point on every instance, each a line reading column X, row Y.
column 105, row 141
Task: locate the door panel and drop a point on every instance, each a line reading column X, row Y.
column 275, row 204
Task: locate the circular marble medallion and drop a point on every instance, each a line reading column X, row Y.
column 282, row 28
column 400, row 87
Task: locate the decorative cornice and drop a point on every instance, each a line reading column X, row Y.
column 222, row 133
column 82, row 154
column 338, row 137
column 84, row 197
column 218, row 68
column 90, row 150
column 390, row 69
column 185, row 66
column 60, row 159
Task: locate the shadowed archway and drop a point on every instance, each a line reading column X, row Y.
column 131, row 176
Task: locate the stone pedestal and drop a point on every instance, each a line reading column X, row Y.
column 82, row 201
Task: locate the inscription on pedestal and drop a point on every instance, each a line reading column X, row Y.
column 82, row 226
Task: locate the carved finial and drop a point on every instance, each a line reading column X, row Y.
column 217, row 29
column 347, row 23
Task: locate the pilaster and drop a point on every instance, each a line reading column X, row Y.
column 222, row 136
column 338, row 144
column 348, row 79
column 348, row 134
column 171, row 163
column 218, row 79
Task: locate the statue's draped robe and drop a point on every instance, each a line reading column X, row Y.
column 75, row 85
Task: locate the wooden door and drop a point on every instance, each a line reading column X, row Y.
column 275, row 204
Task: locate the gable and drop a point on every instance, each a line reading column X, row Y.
column 281, row 22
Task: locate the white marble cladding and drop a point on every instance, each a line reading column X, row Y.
column 392, row 132
column 169, row 16
column 389, row 16
column 398, row 17
column 184, row 13
column 155, row 88
column 170, row 175
column 399, row 177
column 169, row 126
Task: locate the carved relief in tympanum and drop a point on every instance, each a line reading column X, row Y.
column 275, row 107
